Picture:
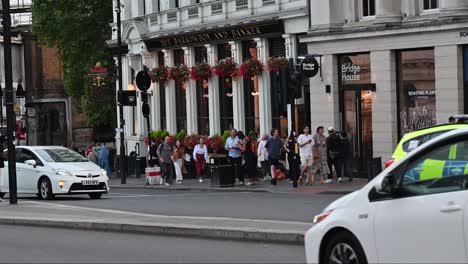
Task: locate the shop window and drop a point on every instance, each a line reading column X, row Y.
column 416, row 90
column 465, row 78
column 368, row 8
column 430, row 4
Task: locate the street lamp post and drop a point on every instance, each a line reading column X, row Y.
column 11, row 118
column 123, row 169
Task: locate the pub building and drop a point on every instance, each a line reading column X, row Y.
column 171, row 33
column 389, row 68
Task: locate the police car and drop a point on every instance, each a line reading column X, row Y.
column 413, row 212
column 411, row 141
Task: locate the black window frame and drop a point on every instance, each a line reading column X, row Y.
column 368, row 8
column 430, row 4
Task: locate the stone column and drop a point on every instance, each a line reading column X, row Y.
column 136, row 63
column 384, row 104
column 213, row 93
column 448, row 81
column 453, row 8
column 191, row 94
column 324, row 107
column 238, row 89
column 290, row 45
column 387, row 11
column 171, row 111
column 264, row 85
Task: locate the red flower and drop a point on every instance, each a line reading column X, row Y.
column 159, row 74
column 277, row 64
column 251, row 68
column 226, row 68
column 202, row 71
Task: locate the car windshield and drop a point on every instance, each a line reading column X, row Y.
column 60, row 155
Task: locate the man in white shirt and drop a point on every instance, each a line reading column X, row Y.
column 306, row 142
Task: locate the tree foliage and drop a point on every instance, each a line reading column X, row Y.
column 79, row 30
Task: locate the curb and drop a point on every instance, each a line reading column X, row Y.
column 202, row 189
column 271, row 236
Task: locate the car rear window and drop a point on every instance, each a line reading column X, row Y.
column 413, row 143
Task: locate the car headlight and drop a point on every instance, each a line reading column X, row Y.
column 103, row 173
column 320, row 217
column 62, row 172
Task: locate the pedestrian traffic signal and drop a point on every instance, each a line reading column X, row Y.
column 145, row 109
column 143, row 81
column 127, row 98
column 294, row 81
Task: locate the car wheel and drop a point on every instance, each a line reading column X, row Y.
column 95, row 195
column 45, row 189
column 344, row 248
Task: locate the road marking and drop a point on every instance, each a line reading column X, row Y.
column 127, row 195
column 159, row 216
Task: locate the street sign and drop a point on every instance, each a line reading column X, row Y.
column 143, row 81
column 127, row 98
column 310, row 66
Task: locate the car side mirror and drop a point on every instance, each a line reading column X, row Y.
column 385, row 185
column 31, row 163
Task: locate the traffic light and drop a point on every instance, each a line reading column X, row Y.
column 294, row 81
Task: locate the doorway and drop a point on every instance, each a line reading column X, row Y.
column 357, row 122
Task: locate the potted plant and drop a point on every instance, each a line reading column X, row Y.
column 251, row 68
column 275, row 64
column 216, row 143
column 226, row 68
column 179, row 74
column 159, row 74
column 202, row 71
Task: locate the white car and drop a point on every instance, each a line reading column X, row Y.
column 49, row 171
column 415, row 211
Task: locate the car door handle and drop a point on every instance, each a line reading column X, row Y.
column 450, row 208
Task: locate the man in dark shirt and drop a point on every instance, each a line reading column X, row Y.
column 273, row 147
column 333, row 148
column 165, row 151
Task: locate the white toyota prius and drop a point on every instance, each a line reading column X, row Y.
column 415, row 211
column 50, row 170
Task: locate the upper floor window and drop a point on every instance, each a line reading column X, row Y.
column 368, row 8
column 430, row 4
column 173, row 3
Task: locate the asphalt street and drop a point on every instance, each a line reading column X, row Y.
column 20, row 244
column 301, row 207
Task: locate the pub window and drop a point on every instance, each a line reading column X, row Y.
column 181, row 109
column 278, row 97
column 202, row 95
column 416, row 90
column 430, row 4
column 368, row 8
column 225, row 92
column 162, row 94
column 251, row 94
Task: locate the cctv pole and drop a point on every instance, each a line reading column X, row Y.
column 11, row 117
column 123, row 160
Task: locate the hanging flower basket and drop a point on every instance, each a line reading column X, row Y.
column 179, row 74
column 215, row 143
column 251, row 68
column 202, row 71
column 226, row 68
column 277, row 64
column 159, row 74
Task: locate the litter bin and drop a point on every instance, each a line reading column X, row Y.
column 222, row 175
column 374, row 167
column 132, row 164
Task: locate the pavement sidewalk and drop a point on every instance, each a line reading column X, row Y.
column 283, row 186
column 46, row 214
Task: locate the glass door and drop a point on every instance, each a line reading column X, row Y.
column 357, row 122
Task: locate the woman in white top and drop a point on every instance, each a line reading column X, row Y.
column 263, row 156
column 200, row 155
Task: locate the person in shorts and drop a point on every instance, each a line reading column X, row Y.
column 306, row 142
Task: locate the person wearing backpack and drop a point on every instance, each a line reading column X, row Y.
column 164, row 153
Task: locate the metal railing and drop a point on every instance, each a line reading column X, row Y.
column 193, row 12
column 216, row 8
column 268, row 2
column 172, row 16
